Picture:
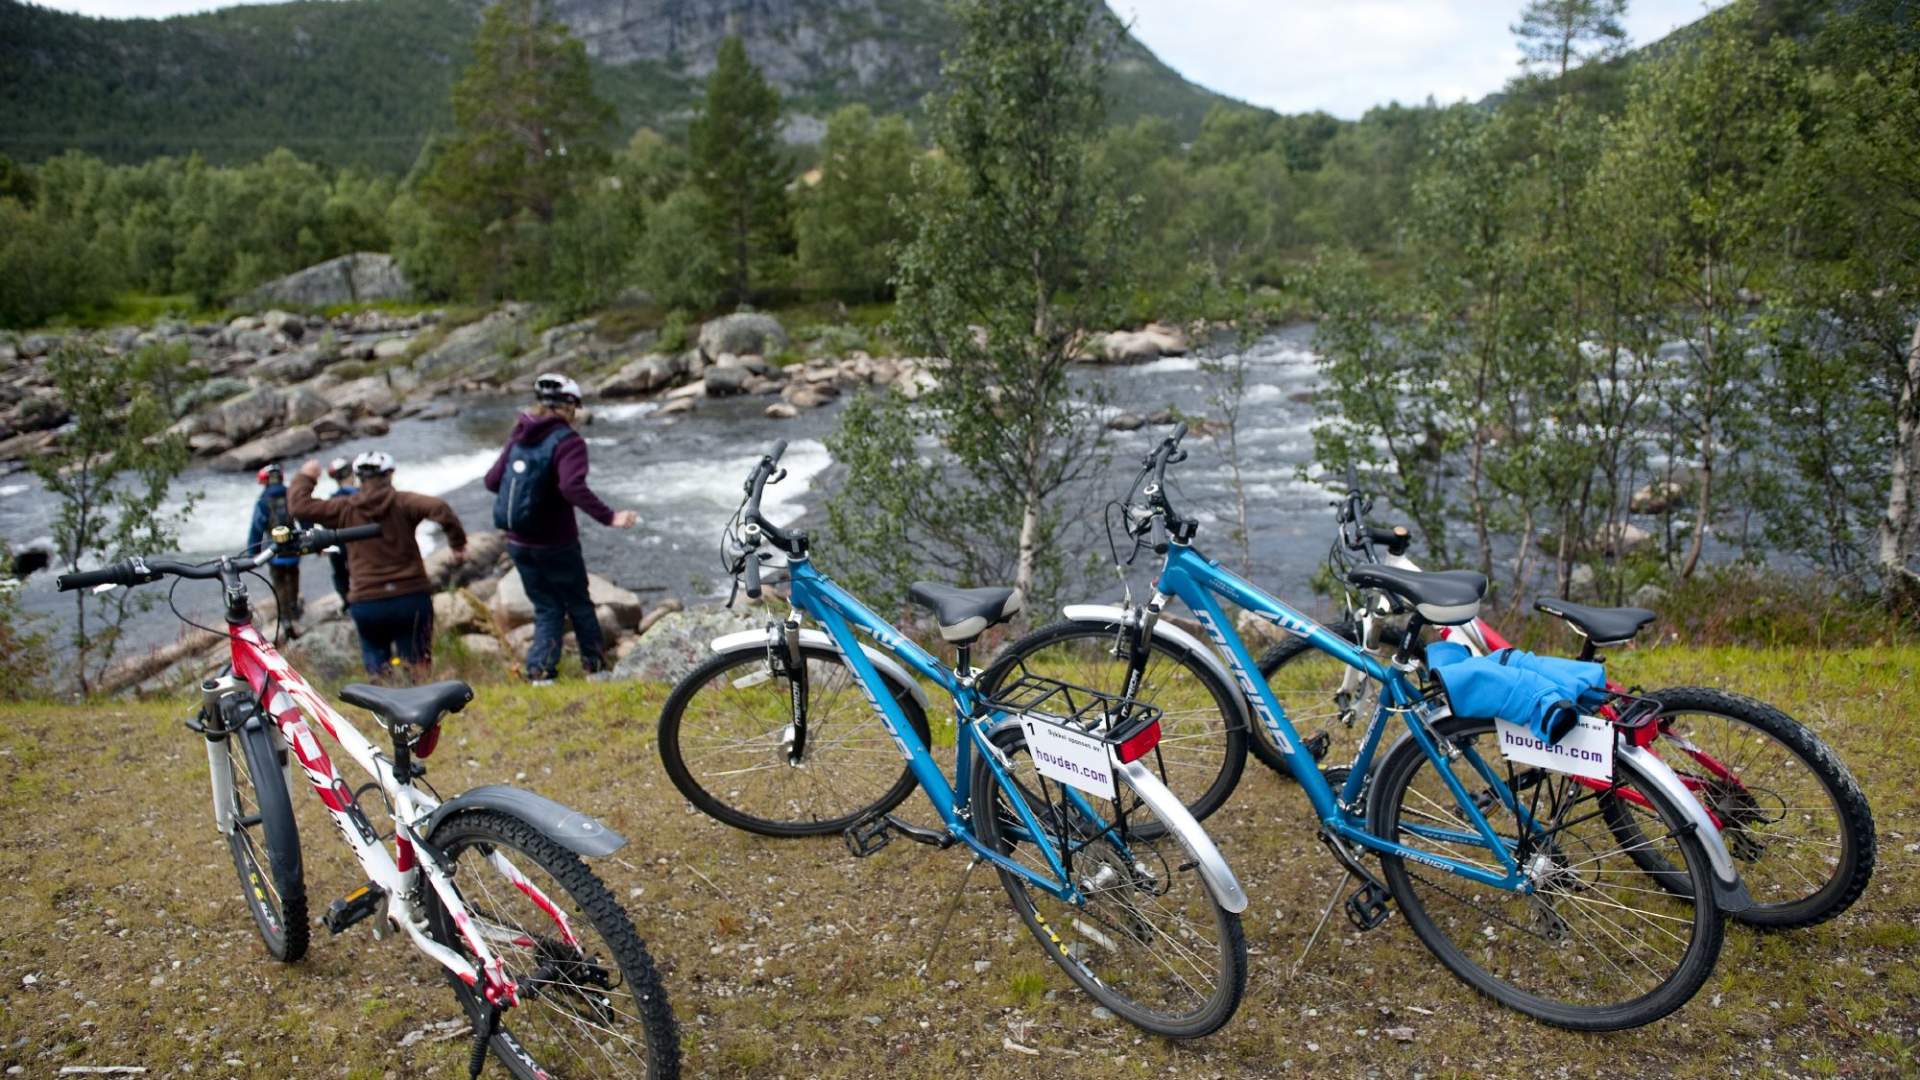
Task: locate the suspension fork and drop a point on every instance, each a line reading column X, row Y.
column 787, row 655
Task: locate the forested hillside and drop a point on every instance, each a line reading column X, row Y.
column 365, row 82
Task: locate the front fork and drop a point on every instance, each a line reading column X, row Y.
column 785, row 660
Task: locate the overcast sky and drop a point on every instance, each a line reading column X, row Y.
column 1292, row 55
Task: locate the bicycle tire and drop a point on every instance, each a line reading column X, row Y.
column 998, row 830
column 761, row 754
column 274, row 887
column 1273, row 663
column 565, row 983
column 1576, row 883
column 1202, row 779
column 1779, row 901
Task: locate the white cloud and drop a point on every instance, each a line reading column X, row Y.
column 1343, row 56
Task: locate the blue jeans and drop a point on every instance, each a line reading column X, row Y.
column 556, row 582
column 392, row 626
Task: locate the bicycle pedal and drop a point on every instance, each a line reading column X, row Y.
column 867, row 836
column 1369, row 906
column 929, row 837
column 355, row 906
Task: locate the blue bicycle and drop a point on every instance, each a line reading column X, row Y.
column 1056, row 785
column 1516, row 877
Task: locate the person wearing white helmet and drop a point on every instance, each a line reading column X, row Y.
column 389, row 594
column 538, row 482
column 341, row 470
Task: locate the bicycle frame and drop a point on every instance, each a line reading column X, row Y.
column 840, row 614
column 1201, row 584
column 290, row 701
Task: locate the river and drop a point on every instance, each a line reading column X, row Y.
column 683, row 476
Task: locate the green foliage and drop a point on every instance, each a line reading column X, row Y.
column 741, row 172
column 529, row 128
column 1018, row 252
column 110, row 473
column 1562, row 34
column 675, row 262
column 851, row 224
column 25, row 654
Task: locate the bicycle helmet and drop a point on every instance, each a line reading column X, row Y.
column 373, row 463
column 339, row 468
column 269, row 475
column 556, row 389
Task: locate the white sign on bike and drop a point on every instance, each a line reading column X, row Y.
column 1586, row 751
column 1070, row 757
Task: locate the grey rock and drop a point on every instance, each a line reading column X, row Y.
column 285, row 323
column 209, row 442
column 1126, row 422
column 243, row 417
column 218, row 388
column 679, row 642
column 511, row 608
column 259, row 342
column 367, row 396
column 484, row 552
column 37, row 345
column 304, row 406
column 1648, row 596
column 360, row 278
column 781, row 410
column 279, row 446
column 742, row 333
column 370, row 427
column 727, row 381
column 333, row 427
column 472, row 345
column 291, row 367
column 643, row 375
column 624, row 603
column 390, row 348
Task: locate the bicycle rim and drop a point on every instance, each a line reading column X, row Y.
column 726, row 738
column 1148, row 941
column 1597, row 947
column 590, row 1008
column 1202, row 735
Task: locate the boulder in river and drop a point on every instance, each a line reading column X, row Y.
column 243, row 417
column 472, row 344
column 370, row 396
column 278, row 446
column 742, row 333
column 360, row 278
column 643, row 375
column 727, row 381
column 304, row 406
column 291, row 367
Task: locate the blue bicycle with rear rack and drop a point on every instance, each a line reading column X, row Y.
column 1510, row 873
column 1057, row 786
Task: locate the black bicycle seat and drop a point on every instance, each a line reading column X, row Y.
column 1600, row 625
column 417, row 706
column 1443, row 598
column 964, row 614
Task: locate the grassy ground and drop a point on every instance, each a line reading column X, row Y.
column 125, row 942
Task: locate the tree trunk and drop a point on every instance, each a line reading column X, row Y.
column 1029, row 542
column 1898, row 527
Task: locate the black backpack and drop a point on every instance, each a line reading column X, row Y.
column 277, row 512
column 527, row 488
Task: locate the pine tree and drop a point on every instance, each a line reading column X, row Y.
column 740, row 170
column 1562, row 34
column 529, row 127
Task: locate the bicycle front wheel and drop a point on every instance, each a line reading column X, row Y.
column 1319, row 694
column 264, row 840
column 727, row 740
column 1595, row 946
column 1790, row 813
column 1147, row 940
column 1203, row 736
column 591, row 1003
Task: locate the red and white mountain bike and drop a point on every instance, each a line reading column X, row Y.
column 489, row 884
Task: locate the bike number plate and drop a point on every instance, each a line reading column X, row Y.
column 1586, row 751
column 1070, row 756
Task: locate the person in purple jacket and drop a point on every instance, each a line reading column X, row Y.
column 538, row 482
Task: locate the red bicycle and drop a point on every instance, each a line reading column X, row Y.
column 489, row 884
column 1787, row 808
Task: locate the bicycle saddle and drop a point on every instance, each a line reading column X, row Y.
column 963, row 614
column 418, row 706
column 1443, row 598
column 1600, row 625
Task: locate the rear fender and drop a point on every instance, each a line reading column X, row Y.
column 579, row 833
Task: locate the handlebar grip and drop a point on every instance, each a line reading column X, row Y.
column 779, row 449
column 753, row 575
column 119, row 573
column 1353, row 477
column 1179, row 432
column 352, row 534
column 1395, row 539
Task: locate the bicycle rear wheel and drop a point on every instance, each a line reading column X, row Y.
column 726, row 738
column 1595, row 947
column 1149, row 941
column 1790, row 813
column 264, row 840
column 590, row 1008
column 1203, row 737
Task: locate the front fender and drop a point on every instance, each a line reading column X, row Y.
column 759, row 639
column 1172, row 634
column 1729, row 892
column 579, row 833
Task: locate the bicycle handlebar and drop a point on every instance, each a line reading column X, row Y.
column 140, row 571
column 767, row 471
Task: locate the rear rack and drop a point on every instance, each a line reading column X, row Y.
column 1107, row 717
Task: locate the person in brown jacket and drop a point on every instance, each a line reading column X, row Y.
column 389, row 596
